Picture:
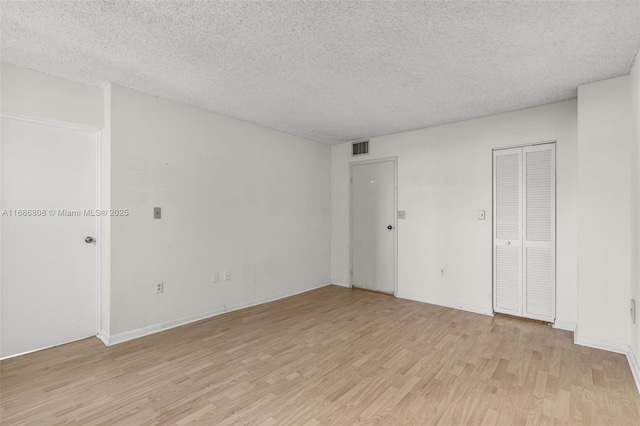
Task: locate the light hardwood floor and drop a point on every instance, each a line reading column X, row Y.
column 330, row 356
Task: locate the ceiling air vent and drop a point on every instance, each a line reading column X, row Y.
column 359, row 148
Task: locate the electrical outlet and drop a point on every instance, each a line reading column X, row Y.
column 227, row 275
column 215, row 277
column 443, row 272
column 159, row 287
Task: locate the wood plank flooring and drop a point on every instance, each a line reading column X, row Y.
column 330, row 356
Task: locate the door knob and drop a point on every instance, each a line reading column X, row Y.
column 389, row 227
column 89, row 240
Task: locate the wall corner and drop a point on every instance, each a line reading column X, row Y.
column 104, row 168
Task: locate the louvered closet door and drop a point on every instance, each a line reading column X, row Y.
column 539, row 289
column 507, row 231
column 524, row 231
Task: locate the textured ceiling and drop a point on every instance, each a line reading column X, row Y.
column 331, row 71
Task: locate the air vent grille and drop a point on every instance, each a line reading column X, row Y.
column 359, row 148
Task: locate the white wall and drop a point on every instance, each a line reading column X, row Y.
column 444, row 178
column 257, row 202
column 604, row 212
column 105, row 221
column 44, row 96
column 234, row 196
column 635, row 197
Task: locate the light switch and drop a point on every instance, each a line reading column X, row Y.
column 481, row 214
column 157, row 214
column 402, row 214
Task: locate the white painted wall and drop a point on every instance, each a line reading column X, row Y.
column 105, row 221
column 234, row 196
column 604, row 212
column 444, row 178
column 44, row 96
column 635, row 198
column 258, row 202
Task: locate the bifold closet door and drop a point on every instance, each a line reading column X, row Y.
column 507, row 231
column 539, row 242
column 524, row 231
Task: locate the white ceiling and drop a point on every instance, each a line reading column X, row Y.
column 331, row 71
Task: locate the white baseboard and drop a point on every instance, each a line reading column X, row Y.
column 635, row 368
column 462, row 307
column 620, row 348
column 565, row 325
column 605, row 345
column 103, row 336
column 44, row 347
column 110, row 340
column 341, row 285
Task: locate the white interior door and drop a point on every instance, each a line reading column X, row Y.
column 373, row 226
column 48, row 294
column 524, row 231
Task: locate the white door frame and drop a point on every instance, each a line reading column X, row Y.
column 394, row 160
column 98, row 228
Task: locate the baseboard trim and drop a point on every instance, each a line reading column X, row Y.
column 461, row 307
column 565, row 325
column 620, row 348
column 342, row 285
column 605, row 345
column 43, row 348
column 635, row 368
column 110, row 340
column 104, row 337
